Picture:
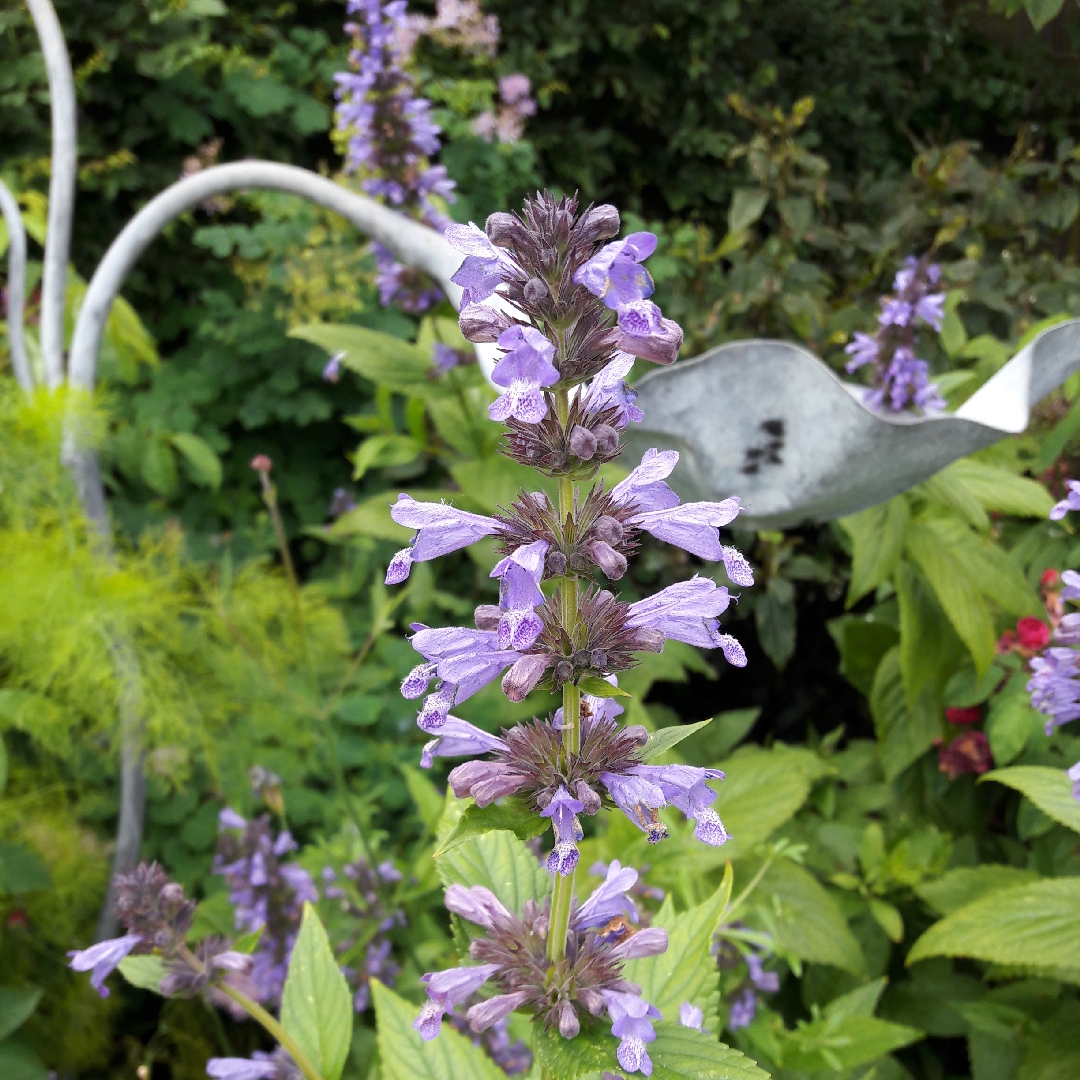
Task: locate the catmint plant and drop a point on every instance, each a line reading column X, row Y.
column 900, row 380
column 569, row 307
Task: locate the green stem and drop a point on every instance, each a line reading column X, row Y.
column 561, row 894
column 257, row 1012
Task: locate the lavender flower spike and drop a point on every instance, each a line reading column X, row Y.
column 524, row 369
column 440, row 530
column 459, row 738
column 447, row 989
column 687, row 611
column 1070, row 502
column 743, row 1009
column 1055, row 686
column 631, row 1021
column 608, row 899
column 563, row 810
column 102, row 959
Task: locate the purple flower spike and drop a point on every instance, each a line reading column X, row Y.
column 691, row 1016
column 863, row 350
column 458, row 738
column 102, row 958
column 446, row 990
column 440, row 530
column 615, row 273
column 895, row 312
column 1055, row 686
column 769, row 981
column 259, row 1067
column 1070, row 502
column 931, row 309
column 631, row 1021
column 608, row 899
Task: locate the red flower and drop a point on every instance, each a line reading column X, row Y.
column 1032, row 633
column 969, row 752
column 1050, row 579
column 963, row 716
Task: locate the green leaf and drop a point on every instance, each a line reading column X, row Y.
column 403, row 1055
column 951, row 491
column 214, row 915
column 953, row 335
column 965, row 884
column 687, row 970
column 1000, row 490
column 838, row 1043
column 902, row 739
column 159, row 466
column 204, row 464
column 660, row 742
column 379, row 451
column 1012, row 721
column 145, row 972
column 927, row 1000
column 862, row 641
column 1053, row 446
column 681, row 1053
column 3, row 766
column 316, row 1006
column 591, row 1051
column 862, row 1001
column 247, row 943
column 747, row 205
column 804, row 919
column 19, row 1062
column 1035, row 925
column 594, row 686
column 382, row 358
column 1040, row 12
column 497, row 481
column 888, row 918
column 877, row 537
column 17, row 1003
column 372, row 518
column 499, row 861
column 1049, row 789
column 429, row 800
column 512, row 815
column 22, row 870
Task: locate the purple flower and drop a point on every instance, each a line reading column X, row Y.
column 332, row 372
column 1070, row 502
column 645, row 487
column 769, row 981
column 485, row 265
column 743, row 1009
column 1074, row 775
column 895, row 312
column 1054, row 686
column 652, row 941
column 687, row 611
column 1068, row 630
column 609, row 389
column 644, row 789
column 489, row 1012
column 102, row 959
column 631, row 1021
column 863, row 350
column 615, row 273
column 520, row 574
column 1072, row 586
column 444, row 358
column 691, row 1016
column 440, row 530
column 640, row 318
column 477, row 904
column 563, row 810
column 260, row 1066
column 446, row 990
column 931, row 309
column 458, row 738
column 608, row 899
column 524, row 369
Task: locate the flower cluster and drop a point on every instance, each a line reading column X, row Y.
column 507, row 123
column 267, row 894
column 587, row 979
column 568, row 307
column 900, row 379
column 157, row 916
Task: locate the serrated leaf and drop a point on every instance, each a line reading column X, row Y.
column 687, row 970
column 660, row 742
column 511, row 815
column 591, row 1051
column 316, row 1006
column 1035, row 925
column 601, row 688
column 145, row 972
column 17, row 1004
column 204, row 464
column 965, row 884
column 403, row 1055
column 900, row 740
column 681, row 1053
column 502, row 863
column 1000, row 490
column 1049, row 789
column 877, row 537
column 382, row 358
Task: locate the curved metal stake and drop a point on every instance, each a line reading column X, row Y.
column 16, row 288
column 61, row 187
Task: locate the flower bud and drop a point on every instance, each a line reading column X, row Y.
column 598, row 223
column 564, row 671
column 612, row 562
column 549, row 259
column 569, row 1025
column 581, row 659
column 556, row 563
column 636, row 732
column 479, row 322
column 598, row 659
column 587, row 796
column 172, row 894
column 487, row 617
column 505, row 230
column 523, row 676
column 608, row 529
column 536, row 289
column 607, row 438
column 582, row 442
column 661, row 346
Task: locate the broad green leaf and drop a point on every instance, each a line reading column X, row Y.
column 589, row 1053
column 403, row 1055
column 1054, row 444
column 862, row 641
column 499, row 861
column 726, row 731
column 214, row 915
column 1001, row 490
column 145, row 972
column 1049, row 789
column 19, row 1062
column 497, row 481
column 888, row 918
column 1035, row 925
column 951, row 490
column 22, row 870
column 1055, row 1053
column 316, row 1006
column 17, row 1003
column 429, row 800
column 204, row 464
column 843, row 1042
column 763, row 789
column 926, row 1000
column 965, row 884
column 681, row 1053
column 747, row 205
column 1012, row 721
column 660, row 742
column 687, row 970
column 372, row 518
column 158, row 467
column 1040, row 12
column 877, row 537
column 862, row 1001
column 511, row 815
column 378, row 451
column 247, row 943
column 382, row 358
column 901, row 740
column 601, row 688
column 804, row 919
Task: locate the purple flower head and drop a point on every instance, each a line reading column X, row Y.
column 687, row 611
column 440, row 530
column 458, row 738
column 863, row 350
column 645, row 487
column 444, row 358
column 743, row 1009
column 608, row 899
column 519, row 577
column 446, row 990
column 631, row 1022
column 1070, row 502
column 615, row 273
column 691, row 1016
column 1055, row 686
column 609, row 389
column 563, row 810
column 101, row 959
column 931, row 309
column 512, row 88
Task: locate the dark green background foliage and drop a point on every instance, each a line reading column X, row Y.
column 932, row 127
